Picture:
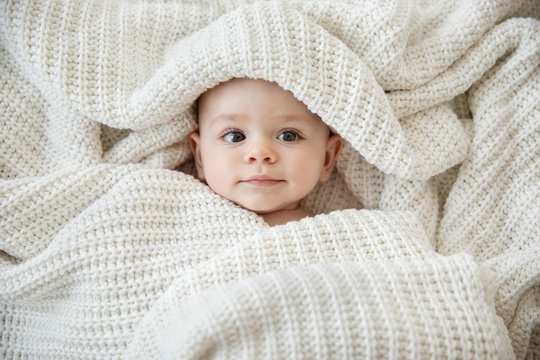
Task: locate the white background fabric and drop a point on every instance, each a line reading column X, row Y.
column 426, row 242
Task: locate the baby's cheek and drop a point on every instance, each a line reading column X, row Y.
column 308, row 173
column 215, row 174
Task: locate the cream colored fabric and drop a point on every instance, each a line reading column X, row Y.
column 427, row 240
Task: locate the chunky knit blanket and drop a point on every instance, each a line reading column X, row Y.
column 426, row 239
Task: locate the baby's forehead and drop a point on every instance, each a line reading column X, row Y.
column 248, row 89
column 244, row 95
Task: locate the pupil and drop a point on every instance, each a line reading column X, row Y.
column 289, row 136
column 234, row 137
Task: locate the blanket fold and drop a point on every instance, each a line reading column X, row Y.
column 425, row 243
column 327, row 309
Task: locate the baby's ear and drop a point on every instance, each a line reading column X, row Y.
column 195, row 144
column 333, row 148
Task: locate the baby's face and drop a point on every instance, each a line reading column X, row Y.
column 260, row 147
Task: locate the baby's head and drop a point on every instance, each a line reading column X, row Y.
column 260, row 147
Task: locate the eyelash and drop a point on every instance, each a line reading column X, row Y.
column 233, row 131
column 296, row 133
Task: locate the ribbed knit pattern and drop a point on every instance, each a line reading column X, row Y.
column 426, row 242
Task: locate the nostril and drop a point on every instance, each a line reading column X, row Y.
column 260, row 154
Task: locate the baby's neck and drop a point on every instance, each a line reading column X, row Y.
column 281, row 217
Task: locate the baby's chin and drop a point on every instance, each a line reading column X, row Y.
column 263, row 209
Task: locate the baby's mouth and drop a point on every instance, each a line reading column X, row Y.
column 262, row 181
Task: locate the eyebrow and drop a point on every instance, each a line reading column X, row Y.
column 240, row 117
column 295, row 117
column 232, row 117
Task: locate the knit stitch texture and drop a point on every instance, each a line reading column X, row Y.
column 426, row 242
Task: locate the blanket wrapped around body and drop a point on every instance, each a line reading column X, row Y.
column 426, row 238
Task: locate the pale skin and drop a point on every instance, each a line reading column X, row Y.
column 260, row 147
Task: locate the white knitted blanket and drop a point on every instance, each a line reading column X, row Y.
column 427, row 240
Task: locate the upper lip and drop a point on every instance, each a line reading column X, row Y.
column 261, row 177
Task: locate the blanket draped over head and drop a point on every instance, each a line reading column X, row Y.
column 426, row 238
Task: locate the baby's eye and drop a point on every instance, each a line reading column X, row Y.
column 288, row 136
column 234, row 137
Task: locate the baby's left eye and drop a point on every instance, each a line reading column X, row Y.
column 288, row 136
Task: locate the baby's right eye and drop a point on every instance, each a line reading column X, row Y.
column 234, row 137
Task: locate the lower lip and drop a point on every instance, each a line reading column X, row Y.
column 263, row 183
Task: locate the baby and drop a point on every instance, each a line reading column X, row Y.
column 260, row 147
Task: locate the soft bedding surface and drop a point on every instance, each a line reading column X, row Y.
column 426, row 242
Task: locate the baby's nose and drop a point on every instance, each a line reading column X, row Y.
column 261, row 152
